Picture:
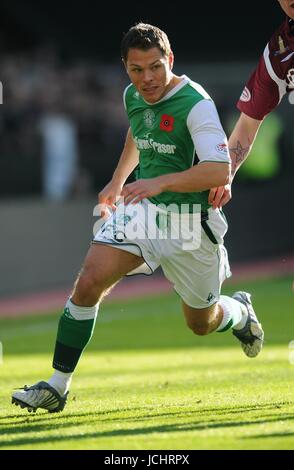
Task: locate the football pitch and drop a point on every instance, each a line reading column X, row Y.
column 146, row 382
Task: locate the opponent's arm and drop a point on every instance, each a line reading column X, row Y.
column 240, row 144
column 241, row 140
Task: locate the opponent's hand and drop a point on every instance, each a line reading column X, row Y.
column 220, row 196
column 108, row 197
column 140, row 189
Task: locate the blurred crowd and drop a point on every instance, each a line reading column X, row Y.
column 62, row 124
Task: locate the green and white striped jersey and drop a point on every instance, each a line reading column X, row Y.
column 172, row 132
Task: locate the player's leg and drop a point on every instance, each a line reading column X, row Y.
column 103, row 267
column 221, row 316
column 203, row 321
column 197, row 276
column 234, row 312
column 245, row 325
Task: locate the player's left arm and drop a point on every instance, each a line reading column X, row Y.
column 199, row 178
column 212, row 150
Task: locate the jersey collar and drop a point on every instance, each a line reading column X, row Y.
column 173, row 91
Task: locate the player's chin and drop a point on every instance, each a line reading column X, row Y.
column 151, row 96
column 150, row 99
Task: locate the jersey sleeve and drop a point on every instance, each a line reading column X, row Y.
column 208, row 136
column 261, row 93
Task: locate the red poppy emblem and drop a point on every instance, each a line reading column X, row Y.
column 167, row 123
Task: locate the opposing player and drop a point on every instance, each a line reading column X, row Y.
column 271, row 80
column 177, row 139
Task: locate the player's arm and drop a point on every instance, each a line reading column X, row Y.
column 211, row 147
column 267, row 95
column 212, row 150
column 128, row 161
column 199, row 178
column 241, row 140
column 240, row 144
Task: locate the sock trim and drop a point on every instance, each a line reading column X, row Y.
column 81, row 313
column 227, row 327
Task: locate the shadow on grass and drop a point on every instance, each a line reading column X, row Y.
column 273, row 435
column 39, row 424
column 44, row 416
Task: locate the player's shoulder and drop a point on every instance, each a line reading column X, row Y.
column 131, row 96
column 129, row 91
column 281, row 42
column 197, row 89
column 279, row 52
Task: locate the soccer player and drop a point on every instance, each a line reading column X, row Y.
column 271, row 80
column 177, row 141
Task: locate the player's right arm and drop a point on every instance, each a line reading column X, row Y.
column 128, row 161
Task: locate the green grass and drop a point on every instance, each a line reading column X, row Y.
column 146, row 382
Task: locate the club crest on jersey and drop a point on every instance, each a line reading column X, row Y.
column 167, row 123
column 149, row 118
column 282, row 48
column 290, row 78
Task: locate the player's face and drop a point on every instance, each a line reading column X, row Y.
column 288, row 7
column 150, row 72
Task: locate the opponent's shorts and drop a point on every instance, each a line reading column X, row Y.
column 188, row 247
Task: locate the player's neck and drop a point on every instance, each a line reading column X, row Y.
column 173, row 83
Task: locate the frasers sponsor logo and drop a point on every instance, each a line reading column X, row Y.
column 145, row 144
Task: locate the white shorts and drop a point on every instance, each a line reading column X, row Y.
column 192, row 257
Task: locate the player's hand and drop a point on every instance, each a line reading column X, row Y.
column 107, row 198
column 220, row 196
column 140, row 189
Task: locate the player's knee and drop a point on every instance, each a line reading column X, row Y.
column 88, row 287
column 200, row 329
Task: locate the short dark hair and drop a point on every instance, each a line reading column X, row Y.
column 145, row 36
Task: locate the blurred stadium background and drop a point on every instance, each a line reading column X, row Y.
column 146, row 382
column 62, row 126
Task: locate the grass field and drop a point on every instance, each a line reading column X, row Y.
column 146, row 382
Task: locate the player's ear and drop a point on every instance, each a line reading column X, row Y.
column 171, row 60
column 125, row 66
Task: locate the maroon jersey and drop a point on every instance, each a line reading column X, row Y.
column 274, row 75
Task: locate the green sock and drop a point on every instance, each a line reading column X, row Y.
column 72, row 338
